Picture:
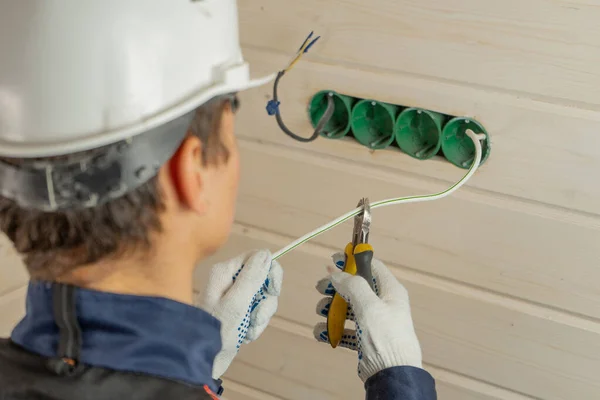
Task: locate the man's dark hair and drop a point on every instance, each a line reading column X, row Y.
column 53, row 243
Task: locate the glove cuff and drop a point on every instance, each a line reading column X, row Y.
column 406, row 356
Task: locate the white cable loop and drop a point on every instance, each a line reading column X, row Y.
column 476, row 138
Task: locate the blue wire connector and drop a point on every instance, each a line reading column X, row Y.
column 273, row 107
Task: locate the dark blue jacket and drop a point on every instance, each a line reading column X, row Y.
column 82, row 344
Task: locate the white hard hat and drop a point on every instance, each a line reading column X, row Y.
column 77, row 75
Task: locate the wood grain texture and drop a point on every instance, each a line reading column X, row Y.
column 12, row 271
column 337, row 380
column 237, row 391
column 541, row 152
column 466, row 238
column 546, row 48
column 12, row 309
column 487, row 341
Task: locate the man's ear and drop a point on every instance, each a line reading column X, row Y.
column 186, row 169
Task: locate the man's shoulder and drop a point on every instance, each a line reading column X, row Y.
column 26, row 375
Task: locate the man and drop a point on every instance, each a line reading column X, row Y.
column 118, row 174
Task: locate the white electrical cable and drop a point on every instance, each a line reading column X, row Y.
column 476, row 138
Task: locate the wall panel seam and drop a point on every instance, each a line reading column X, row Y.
column 479, row 195
column 520, row 95
column 541, row 311
column 448, row 376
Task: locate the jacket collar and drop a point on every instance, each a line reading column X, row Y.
column 127, row 333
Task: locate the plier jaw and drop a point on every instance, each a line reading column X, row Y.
column 362, row 223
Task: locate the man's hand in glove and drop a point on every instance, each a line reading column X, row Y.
column 384, row 335
column 242, row 293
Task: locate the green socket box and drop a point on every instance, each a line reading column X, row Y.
column 373, row 123
column 458, row 148
column 339, row 125
column 420, row 133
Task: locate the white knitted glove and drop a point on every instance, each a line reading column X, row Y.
column 384, row 335
column 242, row 293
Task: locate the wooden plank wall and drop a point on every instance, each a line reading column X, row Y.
column 504, row 277
column 13, row 287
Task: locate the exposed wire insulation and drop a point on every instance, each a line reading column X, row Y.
column 476, row 138
column 318, row 129
column 274, row 103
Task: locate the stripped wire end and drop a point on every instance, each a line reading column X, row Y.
column 306, row 45
column 315, row 40
column 306, row 41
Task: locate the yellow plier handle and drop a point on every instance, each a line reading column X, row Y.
column 358, row 262
column 336, row 318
